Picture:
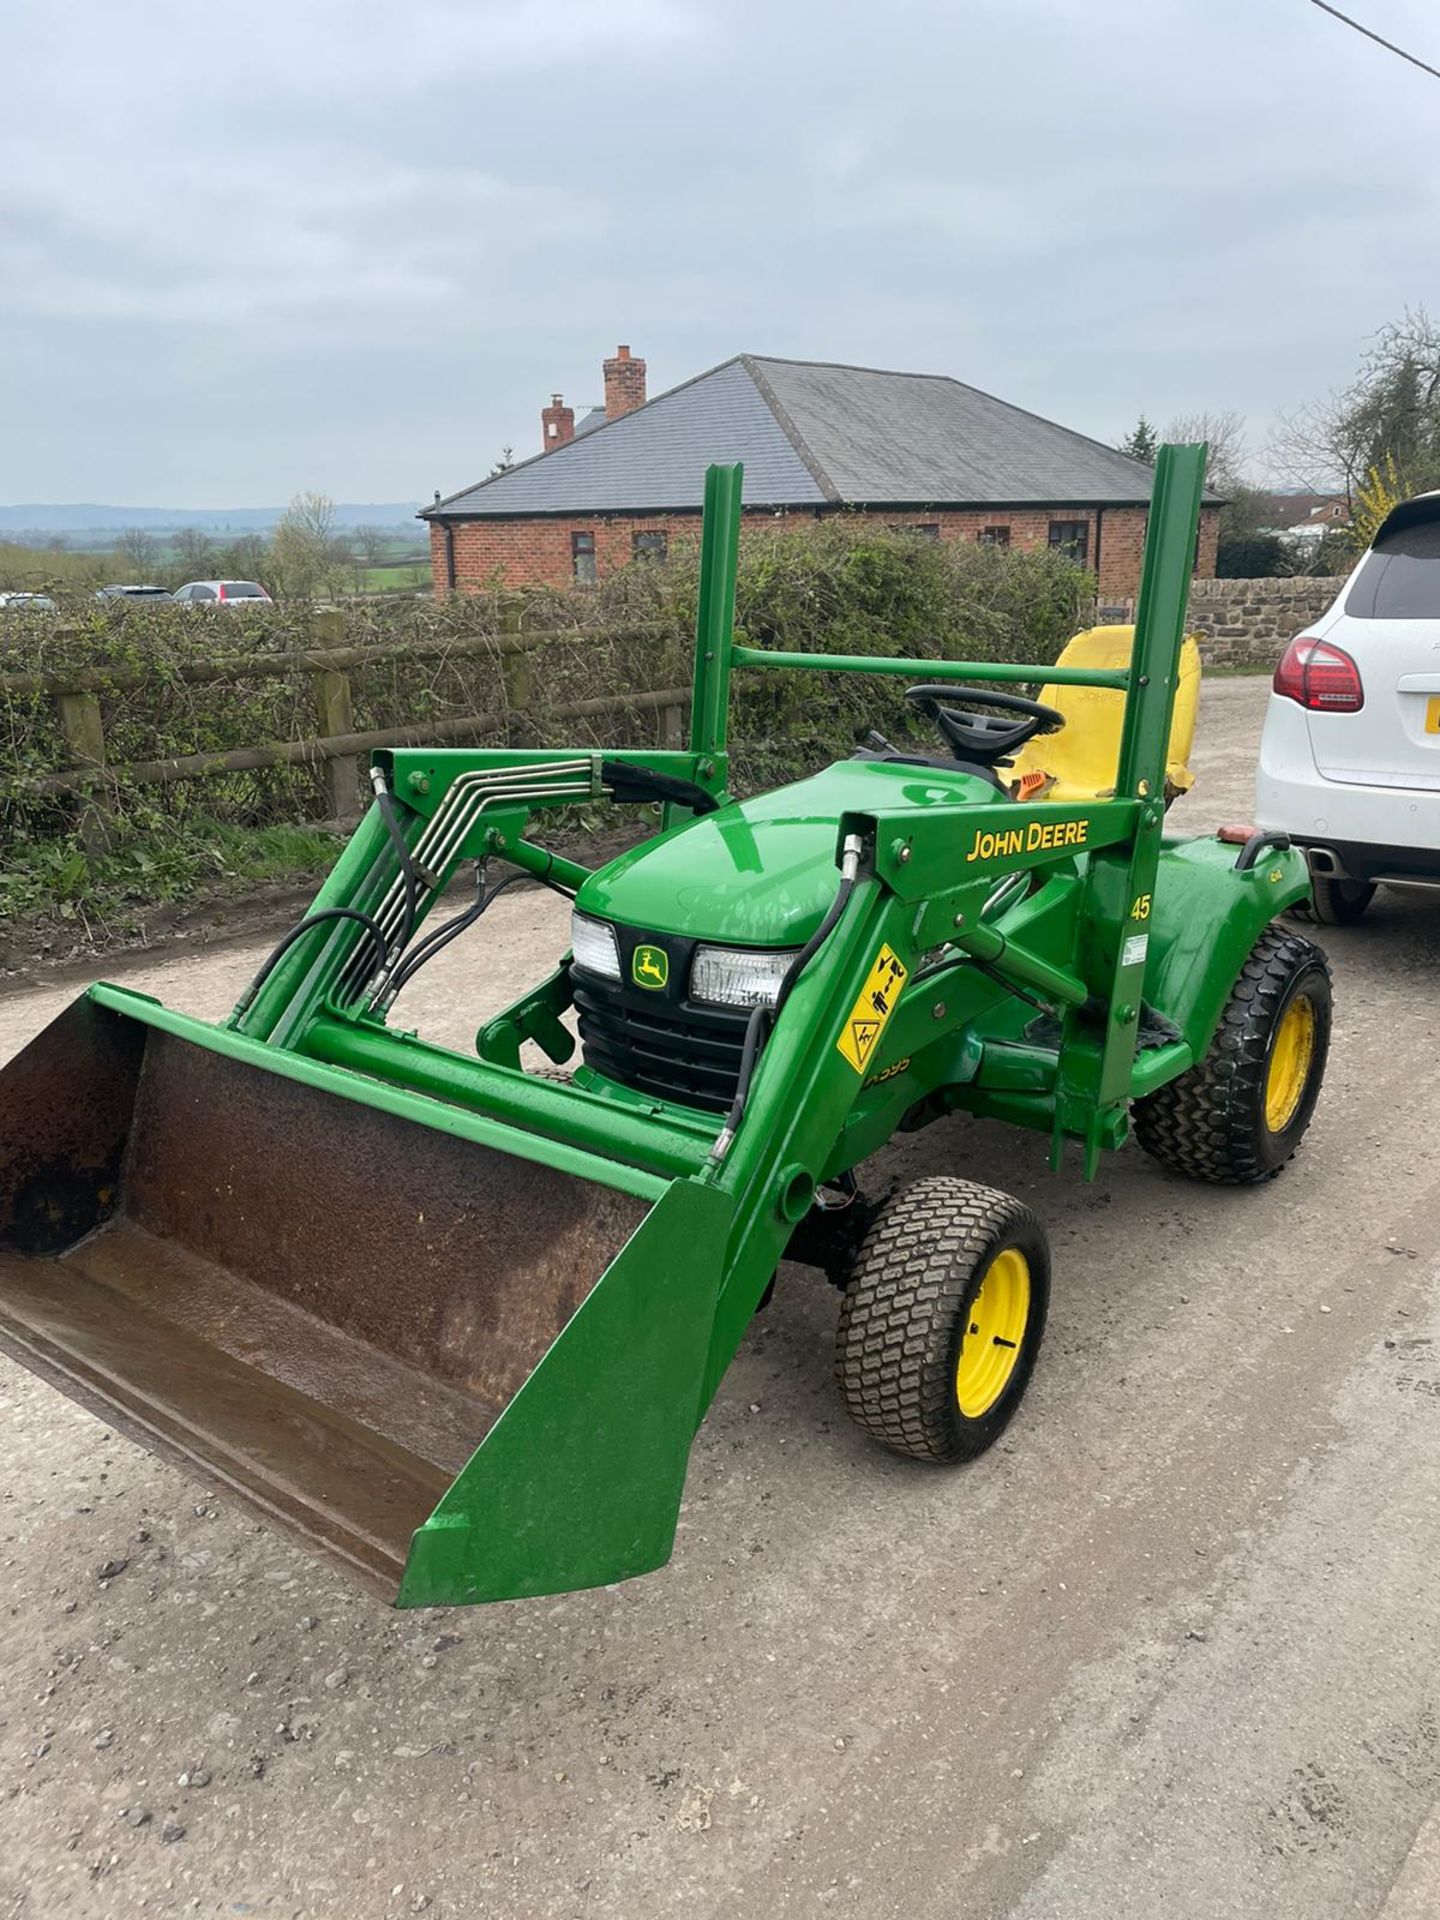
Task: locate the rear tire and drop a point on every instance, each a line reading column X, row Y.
column 1339, row 903
column 942, row 1320
column 1237, row 1116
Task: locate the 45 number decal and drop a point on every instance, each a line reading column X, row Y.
column 1140, row 906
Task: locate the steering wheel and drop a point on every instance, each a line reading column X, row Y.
column 984, row 738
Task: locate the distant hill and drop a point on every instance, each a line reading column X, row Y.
column 48, row 518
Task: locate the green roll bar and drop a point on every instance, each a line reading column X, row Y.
column 1148, row 683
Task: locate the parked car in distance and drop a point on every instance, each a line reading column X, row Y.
column 27, row 603
column 1350, row 753
column 217, row 592
column 133, row 593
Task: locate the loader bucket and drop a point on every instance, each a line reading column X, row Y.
column 466, row 1360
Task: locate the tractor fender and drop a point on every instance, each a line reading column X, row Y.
column 1205, row 918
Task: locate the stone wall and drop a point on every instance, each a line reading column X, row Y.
column 1249, row 623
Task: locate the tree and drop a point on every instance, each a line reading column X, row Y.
column 503, row 464
column 138, row 550
column 193, row 550
column 1224, row 434
column 1383, row 428
column 372, row 542
column 246, row 557
column 304, row 561
column 1142, row 442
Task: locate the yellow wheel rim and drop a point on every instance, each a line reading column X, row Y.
column 994, row 1334
column 1291, row 1053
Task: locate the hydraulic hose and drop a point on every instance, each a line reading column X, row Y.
column 411, row 879
column 442, row 936
column 284, row 944
column 762, row 1017
column 409, row 876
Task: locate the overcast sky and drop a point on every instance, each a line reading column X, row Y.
column 354, row 245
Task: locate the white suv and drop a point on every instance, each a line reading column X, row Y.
column 1350, row 755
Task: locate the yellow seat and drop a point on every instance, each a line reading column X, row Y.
column 1080, row 762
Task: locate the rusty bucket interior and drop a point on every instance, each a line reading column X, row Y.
column 321, row 1305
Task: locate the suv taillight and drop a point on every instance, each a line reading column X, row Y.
column 1319, row 676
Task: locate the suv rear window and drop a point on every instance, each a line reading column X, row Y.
column 1400, row 579
column 243, row 590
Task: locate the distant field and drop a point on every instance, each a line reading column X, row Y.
column 414, row 575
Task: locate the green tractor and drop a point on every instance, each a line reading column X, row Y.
column 457, row 1321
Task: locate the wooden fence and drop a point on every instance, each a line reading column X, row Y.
column 335, row 748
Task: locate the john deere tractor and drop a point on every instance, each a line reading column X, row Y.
column 458, row 1319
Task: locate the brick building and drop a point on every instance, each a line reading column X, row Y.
column 913, row 450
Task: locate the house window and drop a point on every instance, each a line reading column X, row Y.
column 927, row 529
column 652, row 544
column 582, row 558
column 994, row 536
column 1072, row 538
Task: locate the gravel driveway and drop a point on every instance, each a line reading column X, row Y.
column 1170, row 1651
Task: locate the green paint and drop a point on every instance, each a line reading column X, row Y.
column 1001, row 672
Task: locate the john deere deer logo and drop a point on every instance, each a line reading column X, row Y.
column 650, row 967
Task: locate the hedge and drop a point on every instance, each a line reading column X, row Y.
column 834, row 587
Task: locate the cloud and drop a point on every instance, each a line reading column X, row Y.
column 353, row 244
column 310, row 227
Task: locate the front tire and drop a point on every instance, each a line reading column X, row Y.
column 942, row 1320
column 1237, row 1116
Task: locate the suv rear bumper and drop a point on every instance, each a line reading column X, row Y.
column 1370, row 833
column 1348, row 860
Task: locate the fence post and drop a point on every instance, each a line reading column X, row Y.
column 515, row 667
column 84, row 730
column 335, row 714
column 672, row 726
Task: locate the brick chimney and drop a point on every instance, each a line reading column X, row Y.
column 557, row 424
column 624, row 384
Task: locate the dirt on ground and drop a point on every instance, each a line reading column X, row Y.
column 1171, row 1649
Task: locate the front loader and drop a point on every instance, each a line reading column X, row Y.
column 456, row 1318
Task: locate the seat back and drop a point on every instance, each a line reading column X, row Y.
column 1080, row 761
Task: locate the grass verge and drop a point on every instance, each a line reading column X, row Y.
column 54, row 888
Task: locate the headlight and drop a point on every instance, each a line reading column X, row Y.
column 592, row 942
column 737, row 976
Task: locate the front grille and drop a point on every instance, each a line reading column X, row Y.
column 672, row 1049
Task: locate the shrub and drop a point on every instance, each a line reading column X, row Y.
column 1253, row 556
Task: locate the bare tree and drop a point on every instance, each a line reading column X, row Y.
column 304, row 560
column 139, row 550
column 193, row 552
column 372, row 542
column 1224, row 434
column 313, row 514
column 1386, row 422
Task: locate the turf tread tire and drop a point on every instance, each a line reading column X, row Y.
column 898, row 1334
column 1209, row 1123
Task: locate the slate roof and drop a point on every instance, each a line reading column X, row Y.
column 813, row 434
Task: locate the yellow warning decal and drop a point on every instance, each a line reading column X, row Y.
column 866, row 1020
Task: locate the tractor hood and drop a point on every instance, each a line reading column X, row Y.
column 761, row 872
